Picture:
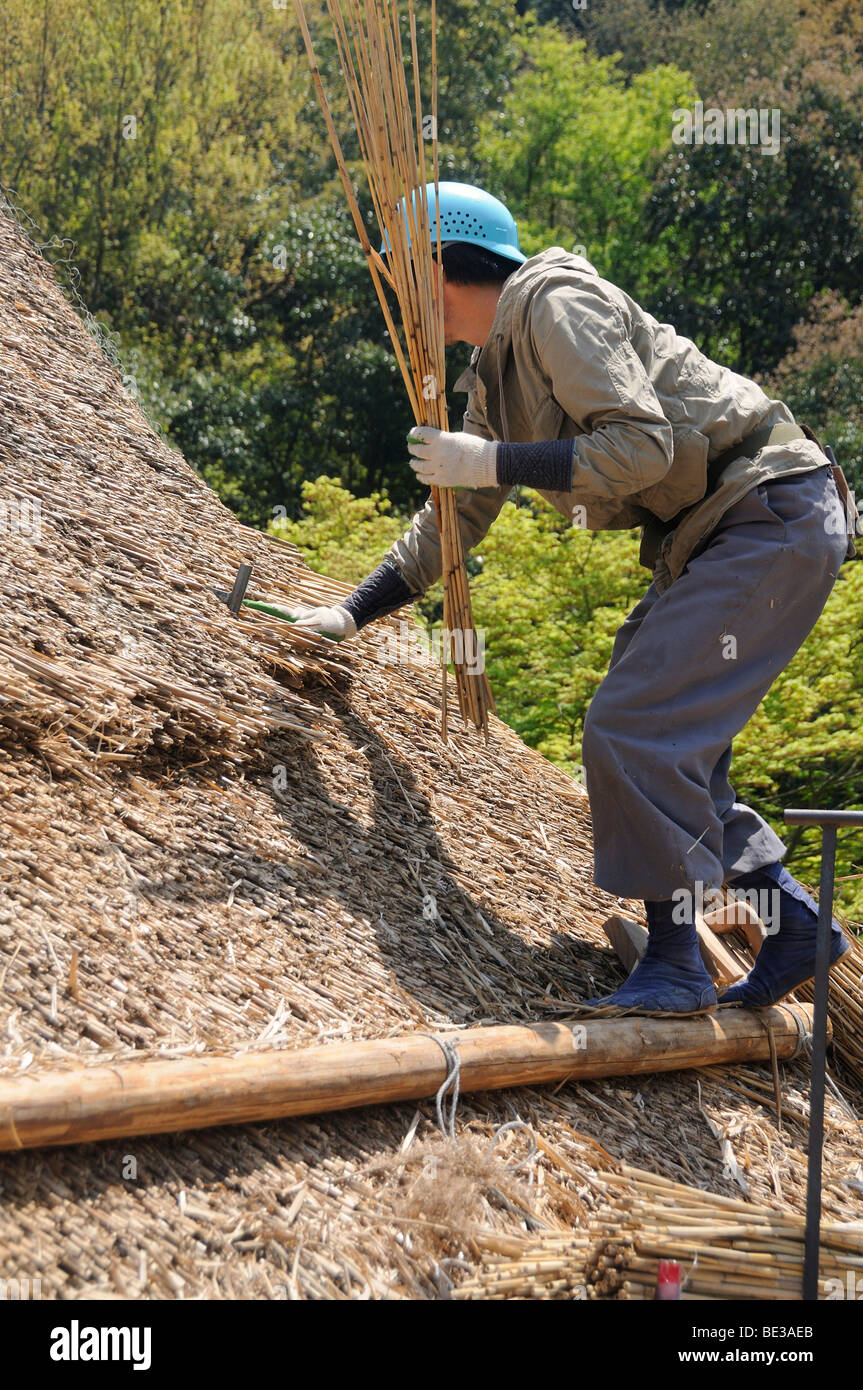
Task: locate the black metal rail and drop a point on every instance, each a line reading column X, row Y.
column 829, row 822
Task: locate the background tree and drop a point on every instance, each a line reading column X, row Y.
column 575, row 147
column 821, row 380
column 717, row 45
column 339, row 534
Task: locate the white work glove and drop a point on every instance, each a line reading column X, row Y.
column 331, row 622
column 444, row 459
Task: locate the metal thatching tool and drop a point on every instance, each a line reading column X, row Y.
column 236, row 600
column 829, row 821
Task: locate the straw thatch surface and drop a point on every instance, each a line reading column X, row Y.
column 220, row 835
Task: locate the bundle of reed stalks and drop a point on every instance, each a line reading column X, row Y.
column 727, row 1249
column 391, row 130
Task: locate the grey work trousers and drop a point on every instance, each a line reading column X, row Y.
column 689, row 668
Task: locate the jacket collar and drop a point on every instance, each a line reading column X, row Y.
column 489, row 359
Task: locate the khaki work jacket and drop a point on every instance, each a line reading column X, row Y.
column 570, row 355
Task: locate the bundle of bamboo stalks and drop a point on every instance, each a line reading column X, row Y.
column 392, row 131
column 727, row 1249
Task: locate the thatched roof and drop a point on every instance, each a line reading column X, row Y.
column 220, row 835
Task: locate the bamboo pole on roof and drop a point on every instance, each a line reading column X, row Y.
column 389, row 127
column 77, row 1105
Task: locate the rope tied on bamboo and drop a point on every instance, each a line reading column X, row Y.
column 452, row 1081
column 804, row 1037
column 444, row 1284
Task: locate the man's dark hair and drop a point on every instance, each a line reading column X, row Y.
column 465, row 263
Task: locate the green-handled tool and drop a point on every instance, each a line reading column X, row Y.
column 236, row 600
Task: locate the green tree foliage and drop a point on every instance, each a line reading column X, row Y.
column 478, row 55
column 338, row 534
column 725, row 242
column 576, row 145
column 753, row 237
column 750, row 238
column 176, row 163
column 305, row 390
column 716, row 44
column 147, row 135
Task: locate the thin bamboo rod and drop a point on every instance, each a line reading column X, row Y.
column 157, row 1097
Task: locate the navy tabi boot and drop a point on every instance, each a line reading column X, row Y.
column 787, row 956
column 670, row 977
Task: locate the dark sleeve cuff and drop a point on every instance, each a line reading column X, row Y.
column 547, row 465
column 383, row 591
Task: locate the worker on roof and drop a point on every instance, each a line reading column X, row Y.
column 619, row 421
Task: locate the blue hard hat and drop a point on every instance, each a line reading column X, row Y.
column 470, row 214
